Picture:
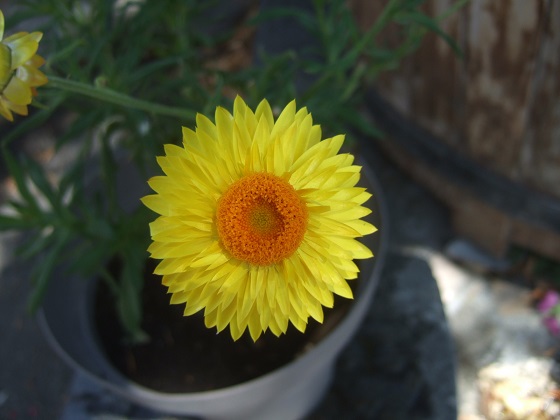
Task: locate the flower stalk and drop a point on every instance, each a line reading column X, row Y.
column 118, row 98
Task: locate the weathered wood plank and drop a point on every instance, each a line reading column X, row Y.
column 540, row 159
column 500, row 105
column 502, row 46
column 495, row 112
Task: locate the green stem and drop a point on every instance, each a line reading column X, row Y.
column 382, row 20
column 117, row 98
column 452, row 10
column 386, row 15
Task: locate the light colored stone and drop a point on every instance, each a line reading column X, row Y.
column 518, row 391
column 466, row 252
column 491, row 320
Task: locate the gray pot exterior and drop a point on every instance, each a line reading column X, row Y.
column 286, row 393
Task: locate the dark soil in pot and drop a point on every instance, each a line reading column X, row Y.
column 184, row 356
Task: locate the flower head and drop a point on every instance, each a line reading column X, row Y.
column 549, row 301
column 550, row 308
column 551, row 323
column 258, row 220
column 19, row 74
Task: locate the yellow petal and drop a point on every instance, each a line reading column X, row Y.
column 285, row 120
column 5, row 66
column 264, row 111
column 17, row 92
column 1, row 25
column 5, row 111
column 23, row 47
column 31, row 76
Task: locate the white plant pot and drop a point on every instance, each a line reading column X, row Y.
column 289, row 392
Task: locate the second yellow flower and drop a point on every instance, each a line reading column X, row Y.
column 19, row 74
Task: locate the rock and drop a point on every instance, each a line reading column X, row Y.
column 400, row 365
column 491, row 320
column 467, row 253
column 516, row 391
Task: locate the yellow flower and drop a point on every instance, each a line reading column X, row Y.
column 258, row 220
column 19, row 74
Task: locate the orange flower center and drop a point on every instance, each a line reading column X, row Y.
column 261, row 219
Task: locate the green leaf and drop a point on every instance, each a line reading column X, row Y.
column 37, row 175
column 23, row 213
column 44, row 269
column 31, row 122
column 355, row 119
column 98, row 228
column 129, row 303
column 88, row 256
column 65, row 52
column 109, row 171
column 33, row 246
column 8, row 223
column 82, row 126
column 354, row 82
column 152, row 67
column 455, row 7
column 421, row 19
column 307, row 20
column 16, row 171
column 70, row 183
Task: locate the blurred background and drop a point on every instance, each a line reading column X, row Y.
column 459, row 117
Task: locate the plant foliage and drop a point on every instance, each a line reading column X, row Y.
column 127, row 74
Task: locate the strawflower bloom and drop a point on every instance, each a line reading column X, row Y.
column 258, row 220
column 549, row 301
column 549, row 306
column 551, row 323
column 19, row 74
